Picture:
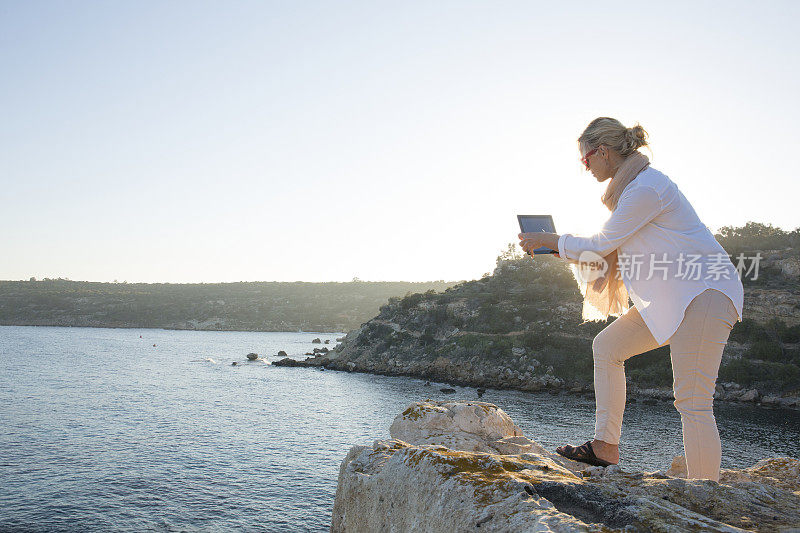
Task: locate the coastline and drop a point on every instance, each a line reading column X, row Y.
column 734, row 394
column 504, row 378
column 89, row 326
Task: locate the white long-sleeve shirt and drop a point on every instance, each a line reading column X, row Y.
column 659, row 236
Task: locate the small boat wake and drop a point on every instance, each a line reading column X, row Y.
column 204, row 360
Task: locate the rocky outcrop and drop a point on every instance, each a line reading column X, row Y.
column 465, row 466
column 772, row 300
column 521, row 328
column 288, row 361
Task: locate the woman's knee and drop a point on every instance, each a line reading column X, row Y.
column 602, row 347
column 693, row 401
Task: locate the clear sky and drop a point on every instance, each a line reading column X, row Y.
column 190, row 141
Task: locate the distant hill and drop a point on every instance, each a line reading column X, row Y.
column 256, row 306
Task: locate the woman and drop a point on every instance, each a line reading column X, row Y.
column 685, row 290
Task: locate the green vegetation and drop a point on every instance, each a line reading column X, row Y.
column 534, row 305
column 777, row 376
column 258, row 306
column 757, row 236
column 651, row 369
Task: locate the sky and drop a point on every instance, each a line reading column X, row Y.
column 191, row 141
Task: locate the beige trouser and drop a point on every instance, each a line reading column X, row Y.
column 695, row 349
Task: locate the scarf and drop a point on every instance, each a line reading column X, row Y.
column 607, row 296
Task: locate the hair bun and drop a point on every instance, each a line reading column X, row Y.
column 636, row 136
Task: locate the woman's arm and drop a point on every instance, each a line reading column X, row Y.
column 635, row 209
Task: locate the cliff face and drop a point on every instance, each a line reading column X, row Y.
column 467, row 467
column 521, row 328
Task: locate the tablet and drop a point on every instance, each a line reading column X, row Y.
column 530, row 223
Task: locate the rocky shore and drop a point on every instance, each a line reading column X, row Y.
column 465, row 466
column 520, row 328
column 504, row 378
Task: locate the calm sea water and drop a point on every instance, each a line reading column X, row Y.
column 102, row 430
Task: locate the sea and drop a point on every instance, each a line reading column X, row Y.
column 157, row 430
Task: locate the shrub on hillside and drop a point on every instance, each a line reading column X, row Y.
column 766, row 350
column 782, row 376
column 651, row 369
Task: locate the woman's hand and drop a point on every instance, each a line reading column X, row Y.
column 536, row 239
column 530, row 241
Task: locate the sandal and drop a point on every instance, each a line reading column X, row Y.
column 582, row 453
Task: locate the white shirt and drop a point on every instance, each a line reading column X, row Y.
column 655, row 227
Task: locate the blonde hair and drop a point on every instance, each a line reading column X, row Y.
column 610, row 132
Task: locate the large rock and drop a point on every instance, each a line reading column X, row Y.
column 465, row 466
column 472, row 426
column 749, row 396
column 288, row 361
column 790, row 267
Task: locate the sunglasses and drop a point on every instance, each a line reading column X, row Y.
column 585, row 159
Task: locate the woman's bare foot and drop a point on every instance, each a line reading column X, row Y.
column 605, row 451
